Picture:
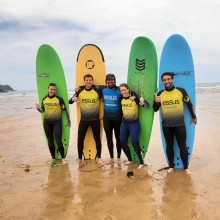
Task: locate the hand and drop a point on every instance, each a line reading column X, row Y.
column 157, row 98
column 132, row 98
column 77, row 89
column 75, row 99
column 37, row 106
column 193, row 120
column 141, row 101
column 69, row 124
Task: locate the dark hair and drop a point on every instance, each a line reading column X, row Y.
column 52, row 84
column 124, row 85
column 168, row 74
column 110, row 76
column 88, row 75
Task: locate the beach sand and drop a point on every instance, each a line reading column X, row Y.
column 93, row 192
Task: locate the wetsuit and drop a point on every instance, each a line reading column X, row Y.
column 112, row 117
column 172, row 105
column 131, row 126
column 52, row 107
column 89, row 108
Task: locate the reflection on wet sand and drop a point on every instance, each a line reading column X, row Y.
column 60, row 193
column 107, row 193
column 179, row 197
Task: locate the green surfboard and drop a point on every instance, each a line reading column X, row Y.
column 142, row 79
column 49, row 70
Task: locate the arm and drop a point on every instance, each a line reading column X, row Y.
column 157, row 101
column 75, row 97
column 63, row 107
column 189, row 105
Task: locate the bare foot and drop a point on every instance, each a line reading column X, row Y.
column 128, row 162
column 188, row 172
column 64, row 161
column 100, row 161
column 170, row 170
column 51, row 161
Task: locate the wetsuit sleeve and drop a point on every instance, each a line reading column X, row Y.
column 188, row 102
column 63, row 107
column 156, row 106
column 98, row 90
column 76, row 94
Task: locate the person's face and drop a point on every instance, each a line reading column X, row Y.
column 52, row 90
column 124, row 91
column 88, row 82
column 110, row 82
column 167, row 81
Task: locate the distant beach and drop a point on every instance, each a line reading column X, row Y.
column 32, row 189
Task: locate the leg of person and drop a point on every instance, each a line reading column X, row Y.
column 116, row 127
column 108, row 127
column 135, row 130
column 95, row 125
column 57, row 129
column 83, row 127
column 169, row 138
column 180, row 133
column 48, row 128
column 124, row 134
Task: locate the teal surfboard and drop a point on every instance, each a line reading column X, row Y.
column 49, row 70
column 176, row 57
column 142, row 79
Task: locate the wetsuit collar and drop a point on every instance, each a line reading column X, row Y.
column 88, row 89
column 170, row 89
column 51, row 96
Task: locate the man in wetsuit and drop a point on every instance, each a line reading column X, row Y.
column 52, row 106
column 171, row 100
column 89, row 97
column 112, row 114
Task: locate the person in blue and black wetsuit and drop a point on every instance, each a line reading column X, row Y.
column 130, row 124
column 52, row 106
column 112, row 114
column 171, row 100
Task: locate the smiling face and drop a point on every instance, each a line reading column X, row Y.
column 88, row 82
column 110, row 82
column 125, row 92
column 52, row 90
column 167, row 81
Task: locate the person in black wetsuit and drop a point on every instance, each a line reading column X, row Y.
column 89, row 98
column 172, row 100
column 52, row 106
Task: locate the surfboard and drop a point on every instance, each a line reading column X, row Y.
column 90, row 60
column 176, row 57
column 49, row 70
column 142, row 79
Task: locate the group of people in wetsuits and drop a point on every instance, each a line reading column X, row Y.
column 120, row 115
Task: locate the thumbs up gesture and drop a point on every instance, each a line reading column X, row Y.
column 157, row 98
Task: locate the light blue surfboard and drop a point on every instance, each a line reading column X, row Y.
column 176, row 57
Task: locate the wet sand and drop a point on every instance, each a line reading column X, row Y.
column 105, row 192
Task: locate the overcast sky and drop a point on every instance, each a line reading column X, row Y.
column 112, row 25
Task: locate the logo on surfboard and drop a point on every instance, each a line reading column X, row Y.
column 140, row 64
column 46, row 75
column 183, row 73
column 90, row 64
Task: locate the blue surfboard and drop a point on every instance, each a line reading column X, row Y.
column 176, row 57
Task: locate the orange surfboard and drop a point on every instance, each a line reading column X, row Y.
column 90, row 60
